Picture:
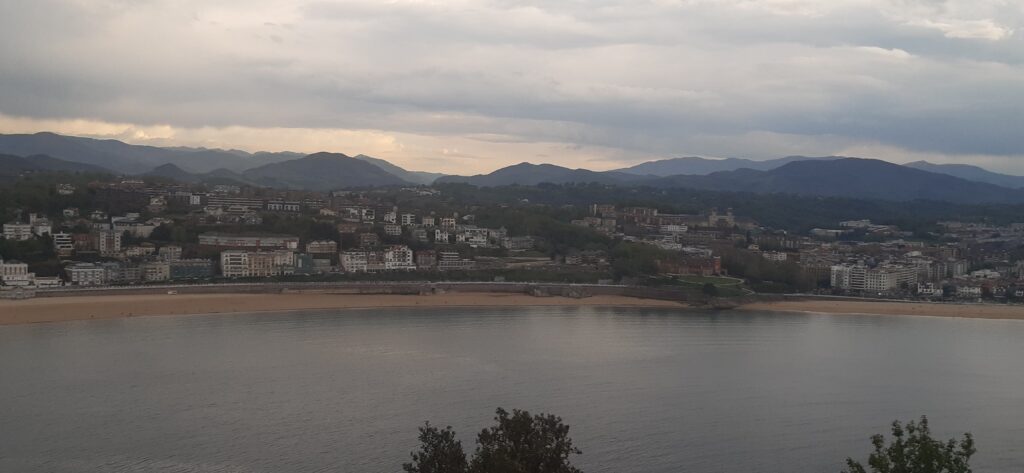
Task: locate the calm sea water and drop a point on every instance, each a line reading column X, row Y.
column 644, row 390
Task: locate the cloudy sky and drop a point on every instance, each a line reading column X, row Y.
column 468, row 86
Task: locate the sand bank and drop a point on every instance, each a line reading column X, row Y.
column 58, row 309
column 976, row 311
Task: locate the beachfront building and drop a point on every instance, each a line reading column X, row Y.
column 86, row 274
column 191, row 269
column 426, row 259
column 882, row 278
column 256, row 264
column 451, row 260
column 154, row 271
column 398, row 257
column 15, row 273
column 356, row 261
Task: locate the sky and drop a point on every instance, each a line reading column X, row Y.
column 470, row 86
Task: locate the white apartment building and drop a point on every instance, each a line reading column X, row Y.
column 398, row 257
column 170, row 253
column 883, row 278
column 408, row 219
column 109, row 242
column 322, row 247
column 354, row 261
column 156, row 271
column 18, row 231
column 15, row 273
column 63, row 244
column 256, row 264
column 86, row 274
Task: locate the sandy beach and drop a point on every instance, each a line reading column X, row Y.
column 59, row 309
column 974, row 311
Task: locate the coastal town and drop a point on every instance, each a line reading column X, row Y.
column 135, row 231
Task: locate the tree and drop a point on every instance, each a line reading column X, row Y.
column 912, row 450
column 521, row 443
column 518, row 443
column 710, row 289
column 439, row 452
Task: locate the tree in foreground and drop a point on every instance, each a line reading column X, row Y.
column 517, row 443
column 439, row 452
column 912, row 450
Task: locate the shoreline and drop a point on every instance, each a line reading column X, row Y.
column 114, row 306
column 890, row 308
column 101, row 307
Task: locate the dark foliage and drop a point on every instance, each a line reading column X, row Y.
column 913, row 450
column 517, row 443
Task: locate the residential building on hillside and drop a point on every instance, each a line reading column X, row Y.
column 108, row 243
column 170, row 252
column 257, row 242
column 517, row 243
column 322, row 247
column 18, row 231
column 63, row 244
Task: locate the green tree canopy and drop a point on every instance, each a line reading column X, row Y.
column 439, row 452
column 517, row 443
column 913, row 450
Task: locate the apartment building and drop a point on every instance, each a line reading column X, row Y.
column 257, row 242
column 255, row 264
column 86, row 274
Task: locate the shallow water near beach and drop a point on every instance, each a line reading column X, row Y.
column 645, row 390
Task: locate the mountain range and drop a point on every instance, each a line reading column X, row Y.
column 526, row 174
column 816, row 176
column 13, row 166
column 703, row 166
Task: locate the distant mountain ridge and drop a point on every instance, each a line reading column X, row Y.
column 528, row 174
column 14, row 165
column 833, row 177
column 322, row 172
column 202, row 164
column 703, row 166
column 124, row 158
column 973, row 173
column 415, row 177
column 823, row 176
column 850, row 177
